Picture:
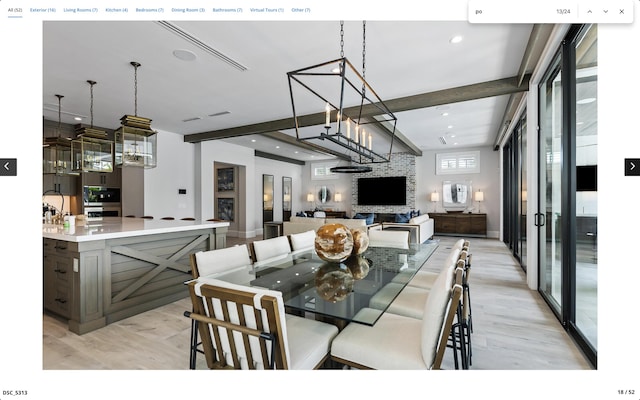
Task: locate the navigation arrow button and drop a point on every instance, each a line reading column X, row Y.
column 9, row 166
column 632, row 166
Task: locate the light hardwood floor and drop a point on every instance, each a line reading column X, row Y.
column 514, row 329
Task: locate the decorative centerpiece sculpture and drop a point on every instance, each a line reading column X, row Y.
column 358, row 265
column 334, row 242
column 334, row 281
column 360, row 241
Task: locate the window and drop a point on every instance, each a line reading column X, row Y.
column 458, row 163
column 321, row 171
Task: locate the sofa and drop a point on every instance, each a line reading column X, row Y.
column 303, row 224
column 421, row 228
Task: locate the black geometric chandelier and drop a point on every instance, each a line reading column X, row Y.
column 350, row 105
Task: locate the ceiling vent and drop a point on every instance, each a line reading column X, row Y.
column 442, row 140
column 191, row 119
column 219, row 113
column 200, row 44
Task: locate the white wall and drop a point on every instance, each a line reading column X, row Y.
column 340, row 183
column 175, row 171
column 278, row 169
column 205, row 154
column 190, row 166
column 488, row 181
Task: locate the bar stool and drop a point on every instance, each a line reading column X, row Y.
column 167, row 218
column 188, row 219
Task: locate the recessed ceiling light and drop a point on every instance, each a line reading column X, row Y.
column 444, row 114
column 277, row 147
column 450, row 126
column 77, row 118
column 253, row 140
column 296, row 152
column 456, row 39
column 184, row 55
column 586, row 100
column 453, row 135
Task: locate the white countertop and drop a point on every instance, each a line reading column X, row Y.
column 113, row 228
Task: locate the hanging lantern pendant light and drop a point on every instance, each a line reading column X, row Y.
column 135, row 140
column 91, row 151
column 57, row 149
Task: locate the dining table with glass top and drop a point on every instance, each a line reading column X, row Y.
column 337, row 292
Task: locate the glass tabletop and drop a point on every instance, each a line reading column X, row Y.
column 358, row 289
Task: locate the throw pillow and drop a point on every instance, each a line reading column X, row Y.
column 415, row 213
column 402, row 218
column 369, row 217
column 301, row 214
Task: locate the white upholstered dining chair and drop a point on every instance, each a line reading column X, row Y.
column 303, row 241
column 389, row 238
column 418, row 344
column 214, row 263
column 268, row 250
column 246, row 328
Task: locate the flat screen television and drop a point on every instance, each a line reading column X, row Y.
column 382, row 191
column 586, row 178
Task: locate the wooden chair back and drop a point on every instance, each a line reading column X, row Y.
column 240, row 327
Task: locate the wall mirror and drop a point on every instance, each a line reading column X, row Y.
column 267, row 198
column 456, row 195
column 324, row 194
column 286, row 198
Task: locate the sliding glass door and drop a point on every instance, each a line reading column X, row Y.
column 550, row 174
column 567, row 205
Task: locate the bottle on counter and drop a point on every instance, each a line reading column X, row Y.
column 47, row 215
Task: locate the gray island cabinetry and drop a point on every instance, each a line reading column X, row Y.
column 100, row 272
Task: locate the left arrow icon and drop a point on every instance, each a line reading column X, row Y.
column 8, row 166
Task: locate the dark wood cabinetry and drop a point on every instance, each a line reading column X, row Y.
column 58, row 276
column 460, row 224
column 331, row 214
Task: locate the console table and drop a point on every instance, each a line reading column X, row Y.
column 459, row 224
column 330, row 214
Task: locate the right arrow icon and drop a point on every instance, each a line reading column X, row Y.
column 631, row 167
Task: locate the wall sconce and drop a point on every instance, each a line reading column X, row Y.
column 479, row 197
column 435, row 197
column 337, row 197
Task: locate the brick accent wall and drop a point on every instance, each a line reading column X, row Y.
column 401, row 164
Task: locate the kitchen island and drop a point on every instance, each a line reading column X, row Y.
column 99, row 272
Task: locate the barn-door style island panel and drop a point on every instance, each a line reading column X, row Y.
column 104, row 271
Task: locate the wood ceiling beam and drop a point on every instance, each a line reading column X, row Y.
column 288, row 139
column 475, row 91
